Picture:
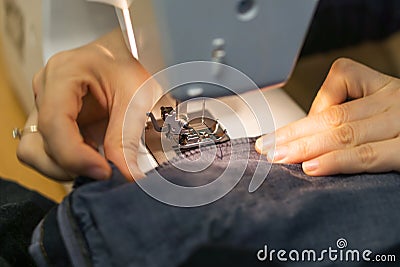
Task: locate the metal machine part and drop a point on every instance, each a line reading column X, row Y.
column 258, row 38
column 183, row 135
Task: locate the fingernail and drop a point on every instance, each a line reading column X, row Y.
column 98, row 174
column 265, row 143
column 310, row 166
column 279, row 153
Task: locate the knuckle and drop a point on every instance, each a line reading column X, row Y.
column 289, row 133
column 25, row 153
column 303, row 148
column 59, row 59
column 47, row 122
column 395, row 93
column 55, row 64
column 340, row 66
column 58, row 62
column 37, row 82
column 345, row 135
column 391, row 92
column 336, row 115
column 367, row 155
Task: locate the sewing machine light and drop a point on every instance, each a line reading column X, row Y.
column 121, row 4
column 125, row 22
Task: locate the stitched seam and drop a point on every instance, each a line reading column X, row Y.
column 41, row 245
column 196, row 151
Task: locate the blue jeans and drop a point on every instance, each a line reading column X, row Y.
column 115, row 223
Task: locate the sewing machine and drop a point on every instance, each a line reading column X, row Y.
column 259, row 38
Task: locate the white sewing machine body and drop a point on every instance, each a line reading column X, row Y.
column 261, row 38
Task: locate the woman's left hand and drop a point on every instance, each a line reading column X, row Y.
column 340, row 136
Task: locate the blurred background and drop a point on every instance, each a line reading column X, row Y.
column 13, row 115
column 31, row 31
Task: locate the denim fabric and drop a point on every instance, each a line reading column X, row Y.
column 123, row 226
column 20, row 211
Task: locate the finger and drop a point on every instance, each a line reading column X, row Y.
column 30, row 151
column 122, row 140
column 59, row 109
column 346, row 136
column 372, row 157
column 347, row 79
column 37, row 85
column 116, row 148
column 328, row 119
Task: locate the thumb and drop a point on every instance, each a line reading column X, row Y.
column 121, row 143
column 126, row 125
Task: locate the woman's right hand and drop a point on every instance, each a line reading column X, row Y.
column 81, row 98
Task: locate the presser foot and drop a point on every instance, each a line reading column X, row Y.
column 171, row 136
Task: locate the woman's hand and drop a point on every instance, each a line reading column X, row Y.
column 81, row 98
column 341, row 136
